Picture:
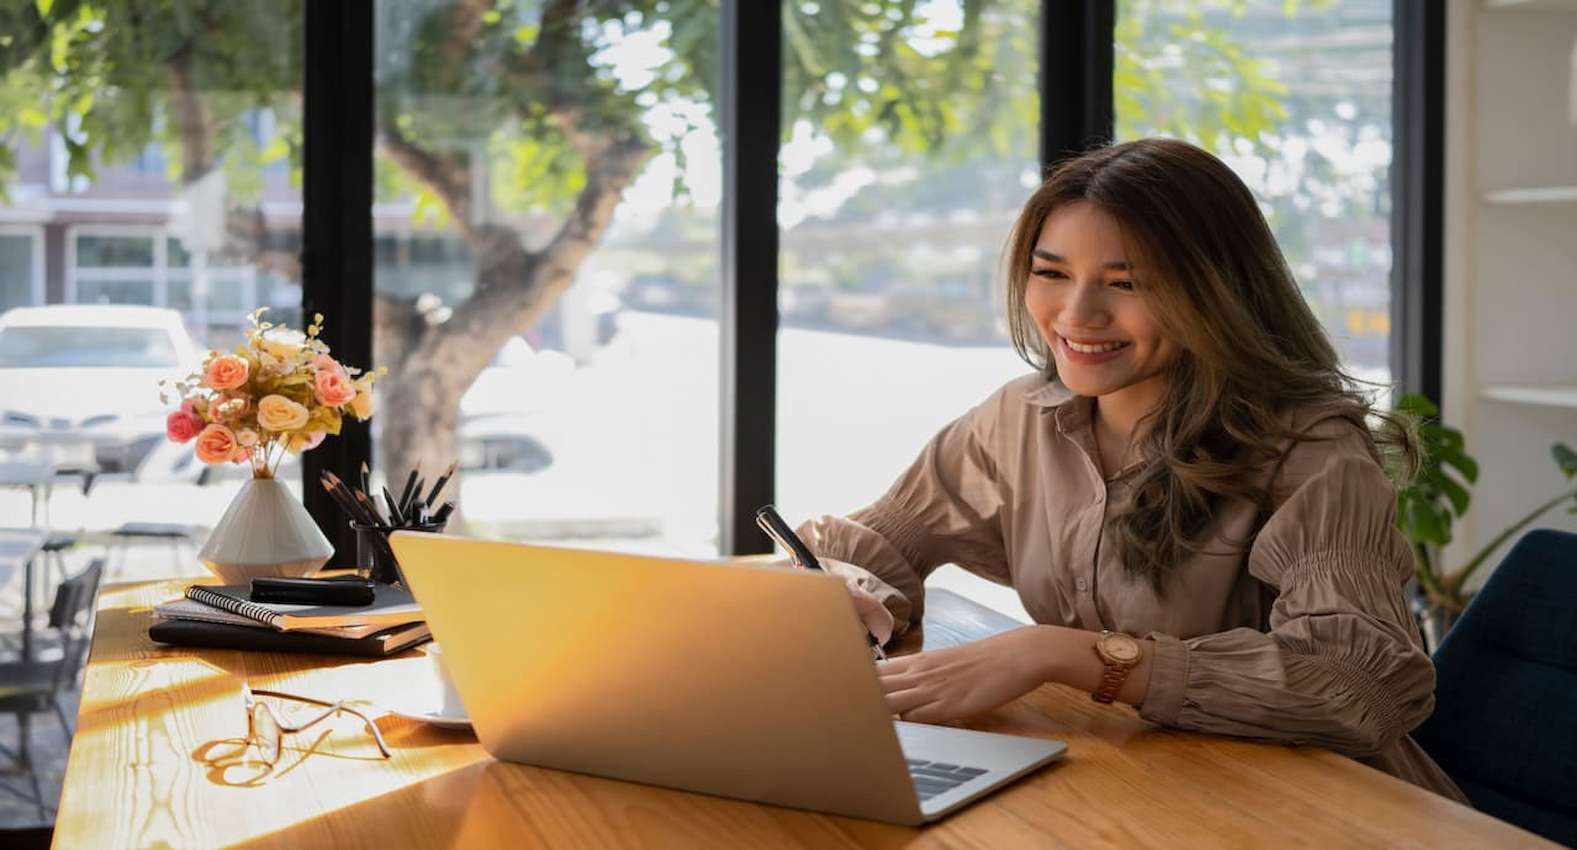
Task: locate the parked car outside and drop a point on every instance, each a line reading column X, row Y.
column 80, row 383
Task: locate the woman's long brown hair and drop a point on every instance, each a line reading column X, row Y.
column 1215, row 280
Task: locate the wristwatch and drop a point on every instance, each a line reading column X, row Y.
column 1119, row 653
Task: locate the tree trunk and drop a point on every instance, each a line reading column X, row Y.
column 433, row 362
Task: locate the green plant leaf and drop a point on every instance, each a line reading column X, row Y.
column 1460, row 461
column 1418, row 405
column 1456, row 493
column 1427, row 524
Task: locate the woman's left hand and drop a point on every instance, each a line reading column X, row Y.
column 961, row 681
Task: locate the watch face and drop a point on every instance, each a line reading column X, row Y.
column 1122, row 648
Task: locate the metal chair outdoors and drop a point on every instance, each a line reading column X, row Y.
column 34, row 687
column 1505, row 721
column 53, row 555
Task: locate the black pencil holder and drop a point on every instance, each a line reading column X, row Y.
column 375, row 559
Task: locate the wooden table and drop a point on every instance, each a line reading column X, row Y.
column 146, row 771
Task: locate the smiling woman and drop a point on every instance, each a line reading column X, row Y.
column 1186, row 494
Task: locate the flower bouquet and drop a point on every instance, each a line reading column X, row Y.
column 278, row 392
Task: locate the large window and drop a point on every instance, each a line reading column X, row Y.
column 546, row 266
column 148, row 190
column 149, row 172
column 21, row 267
column 911, row 143
column 1296, row 98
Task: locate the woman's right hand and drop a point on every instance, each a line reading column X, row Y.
column 877, row 619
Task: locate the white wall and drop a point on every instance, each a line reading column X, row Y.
column 1511, row 268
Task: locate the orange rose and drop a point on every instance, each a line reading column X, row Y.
column 216, row 444
column 226, row 372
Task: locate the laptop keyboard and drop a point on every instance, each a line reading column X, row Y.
column 934, row 777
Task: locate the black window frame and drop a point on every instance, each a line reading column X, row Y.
column 1076, row 112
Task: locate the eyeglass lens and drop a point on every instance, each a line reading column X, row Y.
column 266, row 733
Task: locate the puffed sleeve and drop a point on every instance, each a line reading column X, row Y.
column 945, row 508
column 1342, row 666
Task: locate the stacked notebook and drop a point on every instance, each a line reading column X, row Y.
column 223, row 616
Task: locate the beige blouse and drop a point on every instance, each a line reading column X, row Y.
column 1299, row 633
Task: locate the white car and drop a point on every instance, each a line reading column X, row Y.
column 80, row 383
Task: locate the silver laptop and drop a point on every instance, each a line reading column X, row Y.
column 752, row 682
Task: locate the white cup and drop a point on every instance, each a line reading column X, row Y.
column 452, row 706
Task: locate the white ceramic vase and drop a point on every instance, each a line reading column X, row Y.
column 265, row 532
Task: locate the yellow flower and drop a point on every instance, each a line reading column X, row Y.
column 277, row 413
column 303, row 440
column 361, row 405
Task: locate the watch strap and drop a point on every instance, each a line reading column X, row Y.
column 1111, row 682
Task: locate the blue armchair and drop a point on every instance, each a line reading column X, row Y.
column 1505, row 721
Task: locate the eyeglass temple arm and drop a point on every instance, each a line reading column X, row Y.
column 332, row 708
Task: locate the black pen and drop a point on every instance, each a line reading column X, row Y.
column 772, row 523
column 768, row 519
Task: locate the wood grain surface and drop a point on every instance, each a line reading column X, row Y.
column 153, row 765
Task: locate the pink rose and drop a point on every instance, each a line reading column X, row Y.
column 182, row 425
column 333, row 387
column 226, row 372
column 323, row 362
column 216, row 444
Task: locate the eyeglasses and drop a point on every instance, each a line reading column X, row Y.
column 265, row 731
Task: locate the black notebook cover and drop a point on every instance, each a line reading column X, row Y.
column 223, row 636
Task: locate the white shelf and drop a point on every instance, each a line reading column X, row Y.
column 1533, row 5
column 1548, row 395
column 1534, row 195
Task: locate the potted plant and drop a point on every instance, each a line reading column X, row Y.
column 278, row 392
column 1427, row 506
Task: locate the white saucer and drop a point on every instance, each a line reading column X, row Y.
column 446, row 721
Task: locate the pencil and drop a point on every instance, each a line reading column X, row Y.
column 438, row 487
column 370, row 508
column 346, row 498
column 395, row 517
column 333, row 494
column 405, row 493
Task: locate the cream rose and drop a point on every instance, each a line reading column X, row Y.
column 277, row 413
column 216, row 444
column 226, row 372
column 246, row 437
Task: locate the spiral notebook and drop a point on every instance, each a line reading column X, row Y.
column 391, row 606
